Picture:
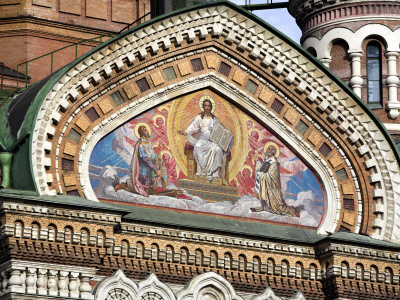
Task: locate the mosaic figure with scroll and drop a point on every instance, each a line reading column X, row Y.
column 268, row 184
column 211, row 142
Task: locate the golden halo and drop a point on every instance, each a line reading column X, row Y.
column 278, row 151
column 207, row 98
column 137, row 129
column 164, row 152
column 248, row 119
column 248, row 168
column 159, row 116
column 259, row 133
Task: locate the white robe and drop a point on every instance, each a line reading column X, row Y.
column 209, row 157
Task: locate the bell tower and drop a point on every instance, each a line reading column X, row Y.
column 358, row 40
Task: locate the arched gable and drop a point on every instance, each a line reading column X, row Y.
column 344, row 143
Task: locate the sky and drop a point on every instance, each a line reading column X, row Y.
column 279, row 18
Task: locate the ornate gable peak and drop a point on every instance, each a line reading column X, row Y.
column 208, row 283
column 365, row 133
column 117, row 284
column 269, row 294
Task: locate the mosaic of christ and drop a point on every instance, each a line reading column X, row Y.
column 200, row 153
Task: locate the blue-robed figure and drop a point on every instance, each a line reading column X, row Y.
column 144, row 167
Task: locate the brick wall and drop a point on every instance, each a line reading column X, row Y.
column 341, row 62
column 31, row 28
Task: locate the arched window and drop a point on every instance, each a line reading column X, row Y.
column 124, row 248
column 68, row 232
column 213, row 259
column 198, row 257
column 374, row 75
column 154, row 251
column 84, row 236
column 35, row 230
column 170, row 253
column 100, row 238
column 52, row 233
column 18, row 229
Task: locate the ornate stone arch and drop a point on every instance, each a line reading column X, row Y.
column 269, row 294
column 323, row 45
column 152, row 288
column 118, row 285
column 280, row 70
column 353, row 39
column 210, row 286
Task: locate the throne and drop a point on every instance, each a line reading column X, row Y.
column 213, row 191
column 192, row 165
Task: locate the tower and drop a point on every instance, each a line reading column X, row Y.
column 359, row 42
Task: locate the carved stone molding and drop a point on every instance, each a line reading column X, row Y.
column 42, row 279
column 205, row 286
column 274, row 55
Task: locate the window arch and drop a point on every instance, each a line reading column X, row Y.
column 35, row 231
column 68, row 233
column 18, row 229
column 169, row 253
column 52, row 232
column 85, row 236
column 124, row 248
column 374, row 75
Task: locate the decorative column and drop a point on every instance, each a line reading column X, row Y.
column 85, row 289
column 4, row 281
column 15, row 282
column 326, row 61
column 73, row 285
column 52, row 283
column 30, row 281
column 392, row 81
column 356, row 80
column 41, row 282
column 62, row 283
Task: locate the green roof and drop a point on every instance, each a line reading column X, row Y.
column 4, row 94
column 151, row 216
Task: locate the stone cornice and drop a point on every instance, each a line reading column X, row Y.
column 302, row 9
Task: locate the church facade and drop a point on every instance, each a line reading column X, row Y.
column 201, row 154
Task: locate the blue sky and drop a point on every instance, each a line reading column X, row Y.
column 279, row 18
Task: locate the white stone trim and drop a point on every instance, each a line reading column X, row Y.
column 269, row 294
column 118, row 281
column 392, row 126
column 370, row 19
column 46, row 280
column 273, row 52
column 355, row 40
column 207, row 284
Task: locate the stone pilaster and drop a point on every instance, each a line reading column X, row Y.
column 392, row 81
column 356, row 80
